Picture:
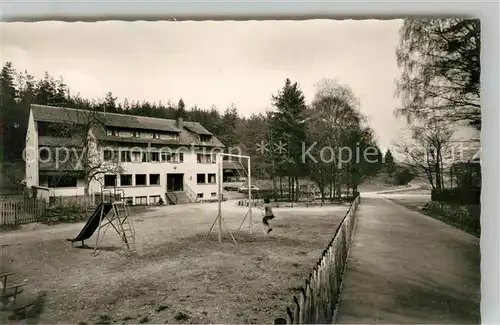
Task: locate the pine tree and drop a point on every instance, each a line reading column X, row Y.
column 110, row 103
column 181, row 109
column 289, row 133
column 9, row 114
column 390, row 166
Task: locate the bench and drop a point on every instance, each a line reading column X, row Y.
column 8, row 294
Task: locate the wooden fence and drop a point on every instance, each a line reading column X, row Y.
column 21, row 211
column 319, row 295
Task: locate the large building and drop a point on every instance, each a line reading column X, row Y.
column 77, row 152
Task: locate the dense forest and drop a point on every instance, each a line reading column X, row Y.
column 331, row 122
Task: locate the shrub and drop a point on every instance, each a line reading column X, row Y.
column 403, row 176
column 471, row 196
column 465, row 217
column 65, row 214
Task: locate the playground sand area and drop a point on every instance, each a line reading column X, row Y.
column 178, row 276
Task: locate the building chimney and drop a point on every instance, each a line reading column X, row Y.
column 179, row 122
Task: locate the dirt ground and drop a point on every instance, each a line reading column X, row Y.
column 178, row 276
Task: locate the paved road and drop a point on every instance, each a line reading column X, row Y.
column 407, row 268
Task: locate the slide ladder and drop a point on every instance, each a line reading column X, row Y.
column 112, row 211
column 125, row 225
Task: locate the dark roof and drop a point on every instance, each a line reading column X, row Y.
column 42, row 113
column 196, row 128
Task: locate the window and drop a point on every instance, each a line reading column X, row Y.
column 62, row 181
column 212, row 179
column 154, row 179
column 154, row 199
column 170, row 136
column 165, row 156
column 109, row 180
column 126, row 180
column 136, row 156
column 200, row 178
column 199, row 195
column 173, row 157
column 129, row 200
column 125, row 156
column 214, row 194
column 155, row 157
column 62, row 155
column 156, row 135
column 140, row 179
column 136, row 134
column 205, row 138
column 44, row 154
column 107, row 155
column 113, row 132
column 178, row 157
column 205, row 159
column 141, row 200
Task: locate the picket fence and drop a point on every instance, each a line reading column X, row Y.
column 21, row 211
column 319, row 295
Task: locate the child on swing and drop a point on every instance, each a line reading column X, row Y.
column 268, row 214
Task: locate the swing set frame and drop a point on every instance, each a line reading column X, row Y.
column 219, row 218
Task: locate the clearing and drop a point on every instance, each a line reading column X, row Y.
column 178, row 277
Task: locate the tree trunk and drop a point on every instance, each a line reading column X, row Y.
column 430, row 178
column 281, row 187
column 322, row 192
column 438, row 176
column 86, row 189
column 297, row 194
column 332, row 187
column 87, row 184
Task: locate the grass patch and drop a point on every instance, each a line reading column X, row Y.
column 161, row 308
column 144, row 320
column 104, row 319
column 9, row 227
column 464, row 217
column 180, row 316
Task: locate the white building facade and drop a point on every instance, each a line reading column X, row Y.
column 146, row 159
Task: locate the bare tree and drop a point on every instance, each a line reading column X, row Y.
column 429, row 150
column 335, row 123
column 440, row 61
column 86, row 155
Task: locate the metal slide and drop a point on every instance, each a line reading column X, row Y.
column 93, row 222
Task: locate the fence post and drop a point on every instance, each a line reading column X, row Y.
column 16, row 213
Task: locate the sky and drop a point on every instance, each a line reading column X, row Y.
column 216, row 63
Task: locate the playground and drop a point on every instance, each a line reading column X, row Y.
column 178, row 276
